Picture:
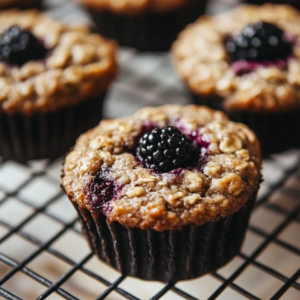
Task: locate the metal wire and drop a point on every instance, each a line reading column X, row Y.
column 289, row 216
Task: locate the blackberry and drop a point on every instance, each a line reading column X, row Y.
column 166, row 149
column 260, row 41
column 18, row 46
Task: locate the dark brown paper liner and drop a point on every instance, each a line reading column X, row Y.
column 148, row 31
column 294, row 3
column 276, row 131
column 166, row 256
column 47, row 135
column 24, row 5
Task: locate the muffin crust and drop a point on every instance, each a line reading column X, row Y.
column 202, row 61
column 131, row 7
column 79, row 65
column 145, row 199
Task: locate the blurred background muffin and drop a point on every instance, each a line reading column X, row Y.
column 142, row 24
column 246, row 62
column 53, row 79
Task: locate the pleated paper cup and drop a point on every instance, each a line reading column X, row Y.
column 167, row 256
column 147, row 31
column 47, row 135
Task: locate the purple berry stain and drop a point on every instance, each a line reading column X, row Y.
column 242, row 67
column 101, row 191
column 199, row 142
column 202, row 147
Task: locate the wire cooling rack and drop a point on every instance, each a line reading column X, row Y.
column 44, row 256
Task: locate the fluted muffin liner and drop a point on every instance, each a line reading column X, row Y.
column 294, row 3
column 147, row 31
column 276, row 131
column 24, row 5
column 167, row 256
column 47, row 135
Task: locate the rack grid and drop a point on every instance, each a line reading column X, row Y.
column 44, row 256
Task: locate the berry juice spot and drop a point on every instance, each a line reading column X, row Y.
column 100, row 192
column 242, row 67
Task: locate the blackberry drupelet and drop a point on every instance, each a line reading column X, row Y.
column 18, row 46
column 260, row 41
column 166, row 149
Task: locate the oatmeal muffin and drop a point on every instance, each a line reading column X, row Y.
column 5, row 4
column 53, row 79
column 165, row 194
column 148, row 25
column 246, row 62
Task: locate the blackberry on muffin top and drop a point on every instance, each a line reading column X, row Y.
column 166, row 149
column 18, row 46
column 261, row 41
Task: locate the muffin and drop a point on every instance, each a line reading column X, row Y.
column 53, row 79
column 294, row 3
column 165, row 194
column 246, row 62
column 5, row 4
column 147, row 25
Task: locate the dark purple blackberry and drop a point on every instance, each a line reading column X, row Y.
column 166, row 149
column 18, row 46
column 261, row 41
column 100, row 192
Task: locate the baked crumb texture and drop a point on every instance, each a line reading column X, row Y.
column 202, row 61
column 131, row 7
column 230, row 177
column 79, row 65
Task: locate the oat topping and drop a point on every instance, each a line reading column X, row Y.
column 140, row 197
column 79, row 65
column 202, row 61
column 136, row 6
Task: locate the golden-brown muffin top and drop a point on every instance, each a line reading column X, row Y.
column 78, row 65
column 103, row 174
column 203, row 63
